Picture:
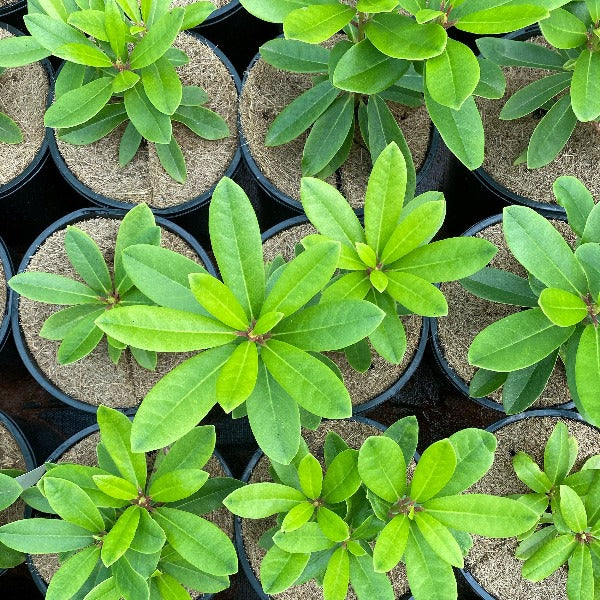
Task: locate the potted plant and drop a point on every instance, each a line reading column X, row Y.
column 559, row 295
column 548, row 120
column 125, row 527
column 539, row 454
column 68, row 266
column 409, row 59
column 329, row 522
column 125, row 75
column 261, row 334
column 390, row 261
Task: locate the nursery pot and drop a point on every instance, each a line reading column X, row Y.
column 5, row 274
column 389, row 379
column 529, row 432
column 488, row 184
column 170, row 187
column 483, row 309
column 55, row 457
column 431, row 174
column 177, row 237
column 369, row 427
column 27, row 460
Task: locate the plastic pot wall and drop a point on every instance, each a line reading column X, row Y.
column 73, row 218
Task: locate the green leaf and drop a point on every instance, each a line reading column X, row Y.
column 116, row 487
column 53, row 33
column 203, row 544
column 260, row 500
column 517, row 341
column 297, row 517
column 587, row 372
column 158, row 40
column 501, row 19
column 329, row 326
column 580, row 579
column 21, row 50
column 118, row 540
column 73, row 574
column 542, row 250
column 366, row 582
column 492, row 83
column 327, row 135
column 88, row 261
column 440, row 539
column 485, row 382
column 301, row 113
column 384, row 198
column 557, row 463
column 203, row 122
column 238, row 376
column 129, row 583
column 237, row 246
column 273, row 11
column 572, row 510
column 192, row 95
column 10, row 490
column 42, row 536
column 129, row 145
column 72, row 504
column 453, row 75
column 177, row 485
column 162, row 85
column 83, row 54
column 81, row 339
column 551, row 134
column 105, row 121
column 461, row 130
column 585, row 90
column 209, row 497
column 295, row 56
column 389, row 339
column 481, row 514
column 329, row 212
column 337, row 575
column 534, row 95
column 77, row 106
column 116, row 29
column 447, row 260
column 150, row 123
column 416, row 294
column 401, row 37
column 10, row 132
column 576, row 199
column 549, row 558
column 316, row 23
column 196, row 13
column 274, row 418
column 178, row 401
column 332, row 525
column 341, row 479
column 311, row 476
column 307, row 539
column 563, row 29
column 505, row 52
column 530, row 474
column 279, row 569
column 382, row 467
column 523, row 387
column 500, row 286
column 434, row 470
column 390, row 544
column 365, row 70
column 561, row 307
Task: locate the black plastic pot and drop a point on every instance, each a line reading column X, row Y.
column 173, row 211
column 438, row 352
column 13, row 13
column 15, row 431
column 412, row 367
column 549, row 412
column 239, row 542
column 8, row 273
column 39, row 582
column 489, row 186
column 75, row 217
column 437, row 155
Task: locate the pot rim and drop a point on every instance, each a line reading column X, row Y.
column 438, row 352
column 220, row 14
column 435, row 142
column 40, row 157
column 170, row 212
column 75, row 217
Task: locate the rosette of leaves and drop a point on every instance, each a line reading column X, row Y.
column 100, row 290
column 393, row 50
column 361, row 518
column 120, row 66
column 261, row 335
column 569, row 531
column 127, row 531
column 560, row 301
column 569, row 93
column 390, row 261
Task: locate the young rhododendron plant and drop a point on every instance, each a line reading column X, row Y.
column 261, row 335
column 362, row 517
column 127, row 530
column 573, row 62
column 569, row 531
column 390, row 261
column 120, row 67
column 101, row 290
column 386, row 54
column 562, row 298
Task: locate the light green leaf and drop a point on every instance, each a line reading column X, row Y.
column 316, row 23
column 341, row 479
column 561, row 307
column 390, row 544
column 158, row 40
column 43, row 536
column 118, row 540
column 279, row 569
column 150, row 123
column 382, row 467
column 238, row 376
